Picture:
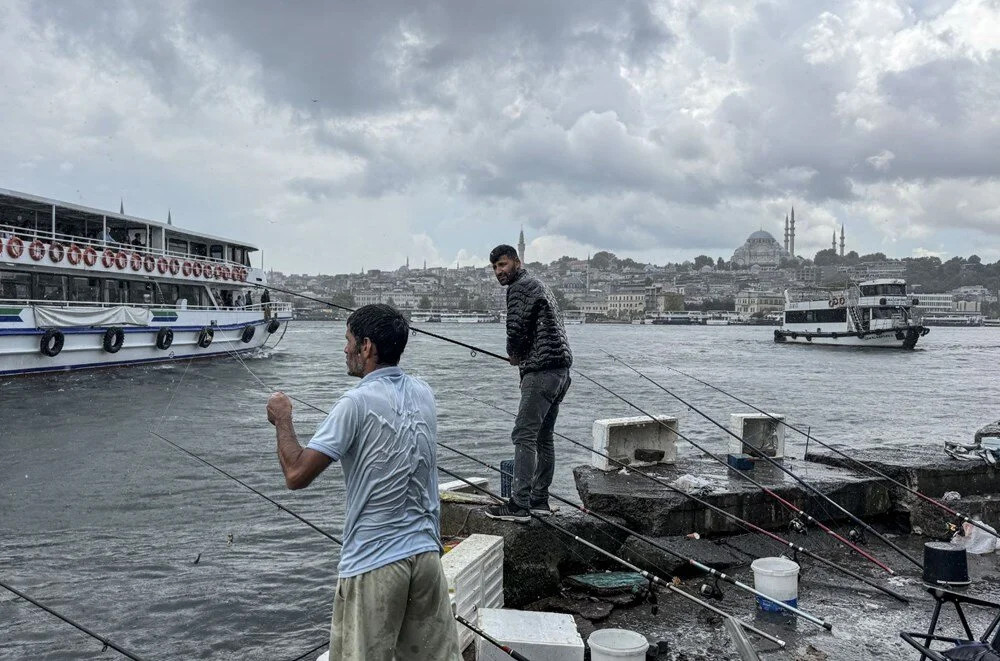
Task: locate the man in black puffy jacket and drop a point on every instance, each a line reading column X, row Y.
column 537, row 344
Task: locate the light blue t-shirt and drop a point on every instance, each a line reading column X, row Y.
column 384, row 433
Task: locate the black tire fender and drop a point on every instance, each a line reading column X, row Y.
column 273, row 325
column 52, row 342
column 164, row 338
column 248, row 333
column 205, row 337
column 114, row 338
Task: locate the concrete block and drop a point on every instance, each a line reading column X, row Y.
column 758, row 431
column 635, row 441
column 536, row 635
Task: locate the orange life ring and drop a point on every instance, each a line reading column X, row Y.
column 149, row 263
column 207, row 270
column 56, row 252
column 74, row 254
column 108, row 258
column 841, row 302
column 161, row 264
column 175, row 266
column 196, row 269
column 36, row 249
column 831, row 302
column 186, row 269
column 135, row 261
column 90, row 256
column 15, row 247
column 121, row 260
column 226, row 274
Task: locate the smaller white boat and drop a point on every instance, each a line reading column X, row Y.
column 874, row 313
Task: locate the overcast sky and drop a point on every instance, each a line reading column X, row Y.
column 342, row 135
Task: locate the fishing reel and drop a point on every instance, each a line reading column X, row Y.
column 856, row 535
column 797, row 525
column 712, row 590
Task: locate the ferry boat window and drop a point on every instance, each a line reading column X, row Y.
column 84, row 289
column 178, row 246
column 114, row 291
column 892, row 290
column 49, row 287
column 869, row 290
column 15, row 286
column 140, row 293
column 199, row 249
column 795, row 317
column 883, row 313
column 191, row 293
column 216, row 251
column 166, row 294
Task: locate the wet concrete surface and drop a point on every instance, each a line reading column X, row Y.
column 653, row 509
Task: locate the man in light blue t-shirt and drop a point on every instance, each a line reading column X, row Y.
column 392, row 596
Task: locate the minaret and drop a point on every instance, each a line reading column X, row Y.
column 587, row 293
column 425, row 264
column 791, row 235
column 520, row 245
column 121, row 206
column 841, row 240
column 169, row 219
column 834, row 242
column 786, row 232
column 407, row 262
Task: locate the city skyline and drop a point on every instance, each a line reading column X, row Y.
column 435, row 130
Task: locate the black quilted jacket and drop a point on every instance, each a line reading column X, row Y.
column 535, row 331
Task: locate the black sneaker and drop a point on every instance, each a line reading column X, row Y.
column 508, row 512
column 541, row 507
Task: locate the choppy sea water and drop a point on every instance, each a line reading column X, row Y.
column 129, row 537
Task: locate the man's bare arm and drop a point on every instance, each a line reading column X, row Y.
column 299, row 465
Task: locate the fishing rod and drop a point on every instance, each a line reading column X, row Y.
column 107, row 642
column 962, row 517
column 791, row 506
column 247, row 486
column 691, row 561
column 477, row 350
column 769, row 460
column 747, row 525
column 652, row 578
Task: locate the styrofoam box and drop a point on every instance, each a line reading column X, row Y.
column 621, row 437
column 760, row 431
column 474, row 570
column 537, row 636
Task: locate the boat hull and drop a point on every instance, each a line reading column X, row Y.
column 83, row 347
column 901, row 338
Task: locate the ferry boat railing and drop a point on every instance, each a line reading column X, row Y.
column 275, row 306
column 27, row 235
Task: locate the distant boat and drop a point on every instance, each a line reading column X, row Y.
column 874, row 313
column 573, row 317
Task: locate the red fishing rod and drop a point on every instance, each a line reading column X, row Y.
column 791, row 506
column 962, row 517
column 746, row 525
column 770, row 461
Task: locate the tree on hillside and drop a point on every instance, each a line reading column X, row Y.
column 826, row 257
column 343, row 298
column 873, row 257
column 603, row 260
column 703, row 260
column 425, row 303
column 720, row 264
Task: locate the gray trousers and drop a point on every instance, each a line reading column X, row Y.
column 534, row 451
column 398, row 612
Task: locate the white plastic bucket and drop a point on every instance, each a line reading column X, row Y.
column 778, row 578
column 617, row 644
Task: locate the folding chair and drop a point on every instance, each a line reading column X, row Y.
column 963, row 649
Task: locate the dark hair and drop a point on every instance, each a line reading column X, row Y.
column 384, row 326
column 502, row 250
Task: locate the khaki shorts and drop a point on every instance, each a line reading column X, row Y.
column 400, row 611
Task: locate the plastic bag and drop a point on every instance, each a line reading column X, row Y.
column 975, row 540
column 688, row 482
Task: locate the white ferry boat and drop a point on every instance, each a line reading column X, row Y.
column 84, row 288
column 874, row 313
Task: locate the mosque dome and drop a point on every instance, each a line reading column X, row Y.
column 760, row 249
column 761, row 234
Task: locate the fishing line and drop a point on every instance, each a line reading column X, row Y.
column 771, row 462
column 791, row 506
column 642, row 572
column 477, row 350
column 808, row 434
column 107, row 642
column 690, row 561
column 746, row 525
